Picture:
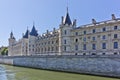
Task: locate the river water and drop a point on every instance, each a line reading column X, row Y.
column 20, row 73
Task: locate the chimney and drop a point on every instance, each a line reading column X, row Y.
column 113, row 17
column 53, row 29
column 74, row 23
column 62, row 18
column 93, row 21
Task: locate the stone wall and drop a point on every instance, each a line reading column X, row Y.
column 6, row 60
column 97, row 65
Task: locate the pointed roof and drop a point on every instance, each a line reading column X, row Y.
column 26, row 34
column 67, row 19
column 33, row 32
column 11, row 35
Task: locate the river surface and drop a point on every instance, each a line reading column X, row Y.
column 20, row 73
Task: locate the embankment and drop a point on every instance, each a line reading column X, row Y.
column 97, row 65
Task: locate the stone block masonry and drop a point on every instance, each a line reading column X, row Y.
column 97, row 65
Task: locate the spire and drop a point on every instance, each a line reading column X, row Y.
column 11, row 35
column 67, row 19
column 26, row 34
column 67, row 9
column 33, row 23
column 33, row 31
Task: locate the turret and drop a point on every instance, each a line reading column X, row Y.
column 26, row 34
column 32, row 37
column 11, row 36
column 11, row 39
column 64, row 34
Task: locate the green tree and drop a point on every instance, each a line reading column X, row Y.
column 4, row 51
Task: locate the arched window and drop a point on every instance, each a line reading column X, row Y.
column 76, row 40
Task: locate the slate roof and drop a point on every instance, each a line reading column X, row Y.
column 26, row 34
column 11, row 35
column 33, row 32
column 67, row 19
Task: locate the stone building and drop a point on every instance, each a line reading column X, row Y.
column 97, row 38
column 21, row 47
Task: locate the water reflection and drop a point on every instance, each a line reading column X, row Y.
column 6, row 74
column 3, row 74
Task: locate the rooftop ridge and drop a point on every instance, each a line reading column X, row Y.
column 98, row 23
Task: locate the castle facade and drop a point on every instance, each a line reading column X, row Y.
column 97, row 38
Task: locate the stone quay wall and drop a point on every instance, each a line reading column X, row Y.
column 6, row 60
column 97, row 65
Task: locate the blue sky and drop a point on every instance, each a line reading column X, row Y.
column 17, row 15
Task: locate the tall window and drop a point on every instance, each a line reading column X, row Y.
column 52, row 42
column 76, row 33
column 48, row 48
column 48, row 42
column 52, row 48
column 115, row 45
column 65, row 32
column 84, row 46
column 115, row 36
column 76, row 47
column 84, row 32
column 64, row 48
column 76, row 40
column 94, row 30
column 104, row 29
column 84, row 39
column 94, row 46
column 103, row 45
column 93, row 38
column 115, row 27
column 45, row 49
column 103, row 37
column 65, row 42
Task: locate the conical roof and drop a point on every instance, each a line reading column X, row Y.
column 26, row 34
column 33, row 32
column 67, row 19
column 11, row 35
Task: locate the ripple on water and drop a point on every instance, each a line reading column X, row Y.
column 6, row 74
column 3, row 74
column 10, row 75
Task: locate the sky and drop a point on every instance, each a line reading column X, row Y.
column 17, row 15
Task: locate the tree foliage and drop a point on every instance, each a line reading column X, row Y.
column 4, row 51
